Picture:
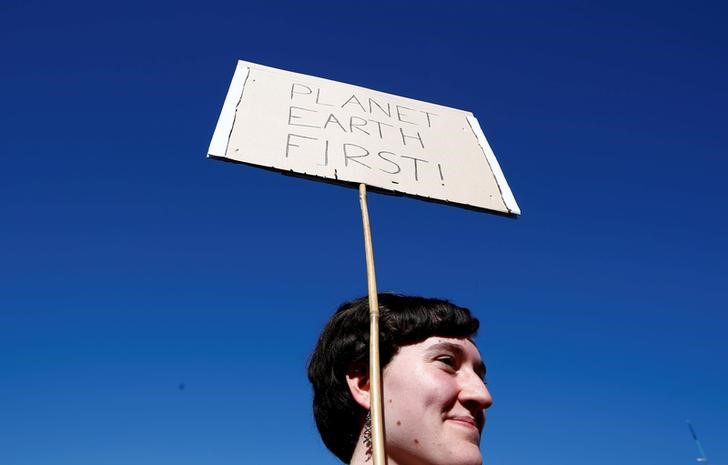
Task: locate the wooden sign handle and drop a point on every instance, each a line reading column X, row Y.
column 375, row 382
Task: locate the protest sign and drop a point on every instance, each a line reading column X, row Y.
column 349, row 134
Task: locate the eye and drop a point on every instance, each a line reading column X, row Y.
column 448, row 360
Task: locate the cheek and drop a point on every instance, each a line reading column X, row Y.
column 421, row 390
column 442, row 389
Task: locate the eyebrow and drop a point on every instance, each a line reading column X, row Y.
column 479, row 368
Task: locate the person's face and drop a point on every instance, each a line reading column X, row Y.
column 434, row 401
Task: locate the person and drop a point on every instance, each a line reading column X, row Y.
column 433, row 382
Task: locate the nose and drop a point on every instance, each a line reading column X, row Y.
column 473, row 393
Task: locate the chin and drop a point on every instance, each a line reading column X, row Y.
column 470, row 461
column 468, row 457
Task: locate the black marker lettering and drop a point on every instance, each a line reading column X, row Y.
column 353, row 97
column 381, row 155
column 400, row 115
column 291, row 117
column 333, row 119
column 353, row 158
column 289, row 144
column 352, row 125
column 326, row 154
column 379, row 126
column 297, row 85
column 428, row 114
column 415, row 162
column 405, row 137
column 387, row 112
column 318, row 99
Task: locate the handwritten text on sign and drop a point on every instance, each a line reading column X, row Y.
column 324, row 128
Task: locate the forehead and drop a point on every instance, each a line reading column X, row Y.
column 433, row 343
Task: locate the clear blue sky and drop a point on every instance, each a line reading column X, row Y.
column 130, row 263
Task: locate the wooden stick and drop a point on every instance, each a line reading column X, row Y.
column 375, row 382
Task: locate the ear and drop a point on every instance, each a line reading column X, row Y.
column 358, row 381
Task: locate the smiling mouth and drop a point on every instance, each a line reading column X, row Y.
column 467, row 422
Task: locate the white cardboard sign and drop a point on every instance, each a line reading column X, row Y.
column 317, row 127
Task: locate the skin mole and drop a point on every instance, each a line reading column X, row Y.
column 416, row 441
column 399, row 423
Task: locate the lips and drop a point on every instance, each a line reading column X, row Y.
column 466, row 421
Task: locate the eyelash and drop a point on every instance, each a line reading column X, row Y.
column 451, row 362
column 448, row 360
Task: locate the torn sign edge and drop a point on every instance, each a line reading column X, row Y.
column 226, row 121
column 224, row 127
column 500, row 178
